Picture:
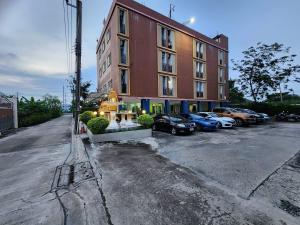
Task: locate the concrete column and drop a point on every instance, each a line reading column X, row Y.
column 211, row 105
column 167, row 106
column 199, row 106
column 14, row 101
column 145, row 105
column 184, row 107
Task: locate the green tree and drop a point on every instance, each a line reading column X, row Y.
column 235, row 95
column 264, row 68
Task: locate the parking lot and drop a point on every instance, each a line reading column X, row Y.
column 232, row 176
column 239, row 159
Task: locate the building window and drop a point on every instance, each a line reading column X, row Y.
column 123, row 81
column 167, row 86
column 200, row 68
column 100, row 72
column 167, row 62
column 103, row 46
column 221, row 57
column 221, row 75
column 108, row 60
column 199, row 89
column 167, row 38
column 122, row 21
column 108, row 35
column 124, row 51
column 104, row 67
column 221, row 92
column 109, row 84
column 199, row 50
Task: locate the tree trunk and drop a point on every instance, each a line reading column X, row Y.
column 251, row 86
column 281, row 97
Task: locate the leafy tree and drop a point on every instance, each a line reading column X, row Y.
column 235, row 95
column 265, row 68
column 84, row 89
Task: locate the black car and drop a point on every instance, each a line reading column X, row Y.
column 173, row 123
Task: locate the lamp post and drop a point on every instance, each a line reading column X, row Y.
column 190, row 21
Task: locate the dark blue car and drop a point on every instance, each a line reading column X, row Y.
column 201, row 122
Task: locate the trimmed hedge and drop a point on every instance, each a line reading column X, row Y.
column 98, row 125
column 86, row 116
column 270, row 108
column 145, row 120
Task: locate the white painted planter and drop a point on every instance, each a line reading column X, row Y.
column 131, row 135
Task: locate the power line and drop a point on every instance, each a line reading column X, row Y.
column 66, row 40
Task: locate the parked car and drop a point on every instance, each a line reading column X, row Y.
column 285, row 116
column 223, row 122
column 202, row 123
column 173, row 123
column 241, row 118
column 259, row 118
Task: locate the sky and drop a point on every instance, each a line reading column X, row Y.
column 33, row 58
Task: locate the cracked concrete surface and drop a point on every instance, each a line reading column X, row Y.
column 28, row 161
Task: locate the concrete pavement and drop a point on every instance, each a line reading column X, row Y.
column 35, row 180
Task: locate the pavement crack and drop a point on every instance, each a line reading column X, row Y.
column 65, row 210
column 262, row 183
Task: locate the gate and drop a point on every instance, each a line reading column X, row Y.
column 6, row 114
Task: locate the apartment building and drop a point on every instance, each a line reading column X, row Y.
column 159, row 65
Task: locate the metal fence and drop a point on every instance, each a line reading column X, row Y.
column 6, row 114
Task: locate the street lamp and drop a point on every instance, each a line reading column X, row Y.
column 190, row 21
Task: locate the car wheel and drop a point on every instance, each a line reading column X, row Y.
column 173, row 131
column 154, row 127
column 219, row 125
column 238, row 122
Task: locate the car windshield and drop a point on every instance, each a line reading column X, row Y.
column 177, row 119
column 213, row 115
column 194, row 116
column 233, row 110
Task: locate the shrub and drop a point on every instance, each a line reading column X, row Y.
column 98, row 125
column 86, row 116
column 270, row 108
column 145, row 120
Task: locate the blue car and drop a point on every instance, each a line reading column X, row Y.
column 201, row 122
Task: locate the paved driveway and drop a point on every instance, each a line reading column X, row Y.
column 239, row 159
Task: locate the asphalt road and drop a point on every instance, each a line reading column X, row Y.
column 27, row 164
column 206, row 178
column 238, row 159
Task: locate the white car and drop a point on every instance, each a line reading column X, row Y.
column 223, row 122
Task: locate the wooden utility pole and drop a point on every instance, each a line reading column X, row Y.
column 78, row 60
column 172, row 9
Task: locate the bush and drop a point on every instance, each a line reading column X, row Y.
column 270, row 108
column 98, row 125
column 145, row 120
column 86, row 116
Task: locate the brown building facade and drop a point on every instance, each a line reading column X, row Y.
column 159, row 65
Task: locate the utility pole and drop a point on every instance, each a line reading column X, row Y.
column 78, row 59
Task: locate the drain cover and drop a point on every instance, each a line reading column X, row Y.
column 71, row 174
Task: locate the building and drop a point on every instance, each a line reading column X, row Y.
column 159, row 65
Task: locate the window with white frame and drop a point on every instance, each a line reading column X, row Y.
column 199, row 89
column 108, row 60
column 167, row 62
column 167, row 38
column 199, row 50
column 122, row 21
column 108, row 35
column 199, row 66
column 221, row 92
column 167, row 85
column 124, row 81
column 123, row 51
column 221, row 75
column 221, row 57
